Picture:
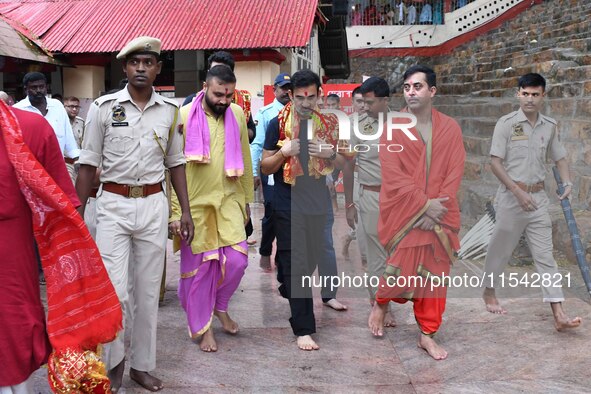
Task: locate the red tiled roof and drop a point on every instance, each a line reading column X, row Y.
column 77, row 26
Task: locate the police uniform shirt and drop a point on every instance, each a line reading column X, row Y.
column 368, row 159
column 78, row 130
column 524, row 148
column 132, row 144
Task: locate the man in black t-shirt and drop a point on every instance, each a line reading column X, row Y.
column 300, row 200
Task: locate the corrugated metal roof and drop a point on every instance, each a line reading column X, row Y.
column 13, row 44
column 78, row 26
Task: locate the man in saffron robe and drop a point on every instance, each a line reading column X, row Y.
column 419, row 215
column 220, row 187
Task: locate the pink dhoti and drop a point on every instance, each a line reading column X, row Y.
column 208, row 281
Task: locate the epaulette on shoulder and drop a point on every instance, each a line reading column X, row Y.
column 549, row 119
column 170, row 101
column 509, row 116
column 105, row 99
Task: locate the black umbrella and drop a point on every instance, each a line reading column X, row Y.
column 574, row 232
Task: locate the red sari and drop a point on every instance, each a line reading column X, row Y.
column 82, row 307
column 23, row 336
column 404, row 197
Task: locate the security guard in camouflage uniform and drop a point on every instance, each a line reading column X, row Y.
column 521, row 143
column 133, row 135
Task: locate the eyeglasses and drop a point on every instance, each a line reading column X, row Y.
column 72, row 106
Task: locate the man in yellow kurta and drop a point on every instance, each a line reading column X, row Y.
column 220, row 187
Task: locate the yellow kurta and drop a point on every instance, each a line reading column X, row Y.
column 218, row 203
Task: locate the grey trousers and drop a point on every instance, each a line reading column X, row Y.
column 131, row 236
column 511, row 222
column 369, row 204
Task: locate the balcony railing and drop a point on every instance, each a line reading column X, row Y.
column 430, row 12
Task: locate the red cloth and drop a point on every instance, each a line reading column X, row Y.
column 83, row 309
column 404, row 193
column 23, row 338
column 428, row 302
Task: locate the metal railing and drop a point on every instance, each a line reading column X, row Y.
column 397, row 12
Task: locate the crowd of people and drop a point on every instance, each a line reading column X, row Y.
column 402, row 207
column 402, row 12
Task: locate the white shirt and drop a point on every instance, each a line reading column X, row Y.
column 411, row 18
column 426, row 14
column 59, row 121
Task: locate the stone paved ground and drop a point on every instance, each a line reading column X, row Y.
column 517, row 352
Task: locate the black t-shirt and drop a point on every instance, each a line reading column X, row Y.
column 309, row 195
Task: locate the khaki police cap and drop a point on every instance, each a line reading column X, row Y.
column 141, row 44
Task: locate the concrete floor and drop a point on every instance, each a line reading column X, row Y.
column 516, row 352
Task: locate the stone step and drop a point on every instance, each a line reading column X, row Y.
column 491, row 108
column 581, row 44
column 575, row 129
column 479, row 146
column 476, row 167
column 493, row 93
column 480, row 127
column 473, row 197
column 567, row 89
column 580, row 73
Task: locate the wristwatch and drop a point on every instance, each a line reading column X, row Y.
column 569, row 183
column 333, row 156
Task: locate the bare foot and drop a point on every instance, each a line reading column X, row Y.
column 376, row 319
column 389, row 320
column 208, row 343
column 115, row 375
column 251, row 242
column 561, row 320
column 363, row 263
column 491, row 302
column 431, row 347
column 565, row 323
column 229, row 325
column 305, row 342
column 265, row 263
column 145, row 380
column 336, row 305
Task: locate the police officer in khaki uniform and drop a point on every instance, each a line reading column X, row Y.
column 72, row 106
column 132, row 134
column 521, row 143
column 376, row 94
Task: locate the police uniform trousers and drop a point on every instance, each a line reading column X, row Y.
column 369, row 210
column 72, row 172
column 511, row 222
column 359, row 232
column 90, row 216
column 136, row 228
column 25, row 387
